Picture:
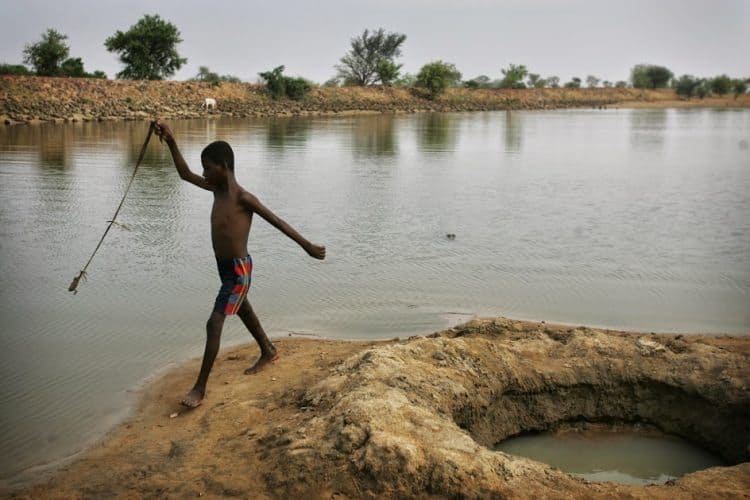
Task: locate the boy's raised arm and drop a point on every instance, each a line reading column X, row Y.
column 253, row 203
column 165, row 134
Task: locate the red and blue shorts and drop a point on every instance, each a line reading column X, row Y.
column 235, row 282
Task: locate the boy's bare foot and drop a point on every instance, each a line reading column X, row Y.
column 263, row 360
column 193, row 399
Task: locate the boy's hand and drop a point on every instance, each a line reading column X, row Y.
column 163, row 131
column 317, row 251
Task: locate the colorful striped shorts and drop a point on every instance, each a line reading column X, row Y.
column 235, row 282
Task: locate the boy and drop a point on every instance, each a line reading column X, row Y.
column 231, row 216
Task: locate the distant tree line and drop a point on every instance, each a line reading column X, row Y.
column 148, row 51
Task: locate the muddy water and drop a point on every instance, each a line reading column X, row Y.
column 636, row 219
column 626, row 456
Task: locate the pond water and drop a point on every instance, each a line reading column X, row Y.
column 634, row 219
column 623, row 456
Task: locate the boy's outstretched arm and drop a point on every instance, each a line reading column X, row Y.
column 253, row 204
column 165, row 134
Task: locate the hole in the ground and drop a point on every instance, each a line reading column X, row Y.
column 619, row 453
column 712, row 425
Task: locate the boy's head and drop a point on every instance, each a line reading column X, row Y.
column 219, row 153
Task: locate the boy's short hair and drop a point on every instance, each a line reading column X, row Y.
column 219, row 152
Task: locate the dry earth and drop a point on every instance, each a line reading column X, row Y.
column 45, row 99
column 418, row 418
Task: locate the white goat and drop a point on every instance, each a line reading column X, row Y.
column 210, row 102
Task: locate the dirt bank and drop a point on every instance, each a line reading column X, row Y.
column 41, row 99
column 417, row 418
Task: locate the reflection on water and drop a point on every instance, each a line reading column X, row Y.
column 578, row 224
column 288, row 132
column 647, row 129
column 438, row 132
column 513, row 131
column 374, row 136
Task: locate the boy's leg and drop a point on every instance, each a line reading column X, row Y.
column 213, row 339
column 267, row 350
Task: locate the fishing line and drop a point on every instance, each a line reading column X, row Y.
column 74, row 284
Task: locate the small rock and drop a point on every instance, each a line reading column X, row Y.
column 174, row 415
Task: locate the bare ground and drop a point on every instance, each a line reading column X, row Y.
column 418, row 418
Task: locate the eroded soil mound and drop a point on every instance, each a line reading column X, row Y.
column 421, row 418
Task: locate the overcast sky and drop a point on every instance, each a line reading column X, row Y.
column 566, row 38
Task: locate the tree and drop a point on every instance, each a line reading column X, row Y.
column 607, row 84
column 553, row 81
column 206, row 75
column 621, row 84
column 479, row 82
column 686, row 85
column 513, row 76
column 365, row 63
column 536, row 81
column 739, row 87
column 148, row 49
column 46, row 55
column 649, row 76
column 721, row 85
column 574, row 83
column 592, row 81
column 438, row 76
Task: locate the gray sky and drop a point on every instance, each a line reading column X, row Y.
column 551, row 37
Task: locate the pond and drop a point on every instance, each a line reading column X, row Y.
column 631, row 219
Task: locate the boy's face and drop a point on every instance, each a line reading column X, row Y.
column 214, row 173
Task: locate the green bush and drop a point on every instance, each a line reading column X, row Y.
column 14, row 69
column 686, row 86
column 297, row 88
column 437, row 76
column 574, row 83
column 280, row 85
column 721, row 85
column 513, row 76
column 739, row 87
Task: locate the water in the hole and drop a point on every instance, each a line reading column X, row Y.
column 623, row 456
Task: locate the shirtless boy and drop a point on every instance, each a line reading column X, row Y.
column 231, row 217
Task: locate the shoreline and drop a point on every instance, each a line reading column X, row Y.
column 268, row 397
column 36, row 100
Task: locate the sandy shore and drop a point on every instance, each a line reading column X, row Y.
column 296, row 428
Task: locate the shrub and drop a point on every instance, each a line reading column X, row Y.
column 297, row 88
column 513, row 76
column 686, row 85
column 574, row 83
column 280, row 85
column 437, row 76
column 739, row 87
column 14, row 69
